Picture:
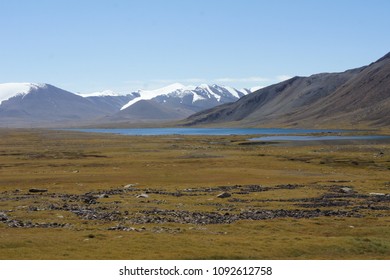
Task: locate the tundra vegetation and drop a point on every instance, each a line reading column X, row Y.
column 73, row 195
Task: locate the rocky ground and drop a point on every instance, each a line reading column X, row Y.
column 127, row 208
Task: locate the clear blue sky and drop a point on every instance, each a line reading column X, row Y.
column 85, row 45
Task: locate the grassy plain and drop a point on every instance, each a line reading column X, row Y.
column 287, row 201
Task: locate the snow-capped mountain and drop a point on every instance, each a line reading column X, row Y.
column 106, row 92
column 33, row 104
column 9, row 90
column 176, row 101
column 40, row 104
column 109, row 100
column 203, row 96
column 150, row 94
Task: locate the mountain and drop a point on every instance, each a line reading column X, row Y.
column 151, row 94
column 354, row 98
column 149, row 111
column 110, row 101
column 177, row 101
column 30, row 104
column 200, row 97
column 9, row 90
column 43, row 104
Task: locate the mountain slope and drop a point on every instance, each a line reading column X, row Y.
column 111, row 103
column 174, row 102
column 365, row 98
column 149, row 110
column 353, row 98
column 151, row 94
column 46, row 104
column 9, row 90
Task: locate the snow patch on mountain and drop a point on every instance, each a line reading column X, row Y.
column 8, row 90
column 253, row 89
column 197, row 97
column 150, row 94
column 210, row 92
column 233, row 91
column 100, row 93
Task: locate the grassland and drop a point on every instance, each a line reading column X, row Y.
column 155, row 197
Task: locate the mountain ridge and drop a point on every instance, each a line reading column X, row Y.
column 32, row 104
column 353, row 98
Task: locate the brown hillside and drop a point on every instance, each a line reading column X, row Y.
column 357, row 97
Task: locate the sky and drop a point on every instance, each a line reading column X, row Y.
column 123, row 45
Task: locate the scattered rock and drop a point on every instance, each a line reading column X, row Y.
column 123, row 228
column 3, row 217
column 160, row 216
column 89, row 199
column 224, row 195
column 346, row 190
column 34, row 190
column 344, row 200
column 33, row 208
column 128, row 186
column 21, row 224
column 377, row 194
column 165, row 229
column 287, row 187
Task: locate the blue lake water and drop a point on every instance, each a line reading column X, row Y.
column 277, row 134
column 204, row 131
column 318, row 138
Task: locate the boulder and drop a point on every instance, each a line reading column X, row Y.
column 89, row 199
column 346, row 190
column 129, row 186
column 224, row 195
column 3, row 217
column 377, row 194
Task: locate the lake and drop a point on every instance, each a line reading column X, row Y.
column 204, row 131
column 277, row 134
column 318, row 138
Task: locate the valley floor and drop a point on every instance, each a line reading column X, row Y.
column 73, row 195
